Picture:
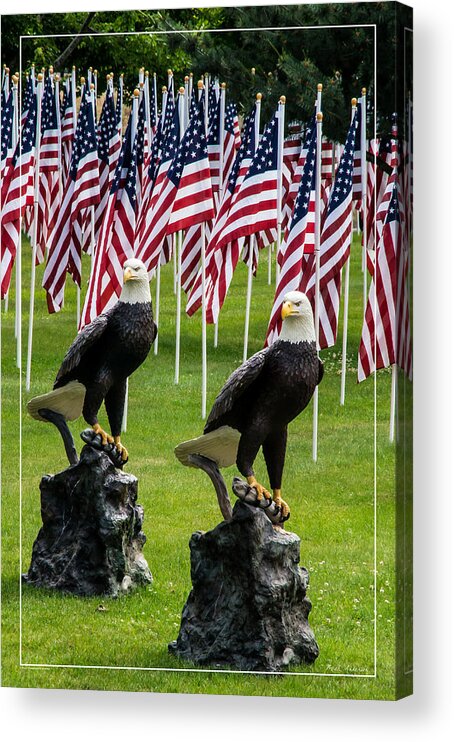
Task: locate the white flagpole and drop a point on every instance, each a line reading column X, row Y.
column 392, row 416
column 39, row 96
column 18, row 276
column 204, row 308
column 155, row 90
column 218, row 196
column 258, row 104
column 317, row 262
column 135, row 112
column 364, row 194
column 92, row 217
column 158, row 267
column 179, row 244
column 190, row 88
column 14, row 139
column 146, row 91
column 221, row 137
column 120, row 93
column 170, row 83
column 346, row 299
column 280, row 155
column 186, row 101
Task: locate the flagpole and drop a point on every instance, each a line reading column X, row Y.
column 155, row 90
column 135, row 113
column 280, row 155
column 179, row 247
column 92, row 219
column 190, row 88
column 158, row 267
column 39, row 95
column 364, row 194
column 317, row 265
column 146, row 91
column 120, row 93
column 217, row 197
column 14, row 139
column 346, row 300
column 17, row 319
column 258, row 103
column 204, row 308
column 186, row 101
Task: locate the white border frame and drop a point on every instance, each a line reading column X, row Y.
column 206, row 670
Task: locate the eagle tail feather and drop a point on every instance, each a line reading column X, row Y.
column 67, row 400
column 220, row 445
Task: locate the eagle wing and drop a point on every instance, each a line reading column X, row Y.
column 85, row 340
column 235, row 386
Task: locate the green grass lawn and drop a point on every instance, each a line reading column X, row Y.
column 332, row 504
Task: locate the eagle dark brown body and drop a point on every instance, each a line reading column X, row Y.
column 100, row 360
column 105, row 353
column 278, row 383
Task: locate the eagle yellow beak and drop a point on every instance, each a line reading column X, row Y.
column 128, row 274
column 287, row 309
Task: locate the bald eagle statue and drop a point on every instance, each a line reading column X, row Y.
column 260, row 398
column 103, row 355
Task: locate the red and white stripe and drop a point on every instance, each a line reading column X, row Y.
column 79, row 194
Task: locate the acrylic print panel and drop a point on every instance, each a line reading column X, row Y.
column 344, row 504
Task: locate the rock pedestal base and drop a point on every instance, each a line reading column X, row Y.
column 248, row 607
column 91, row 539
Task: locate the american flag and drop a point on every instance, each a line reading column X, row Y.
column 109, row 146
column 382, row 171
column 119, row 104
column 193, row 202
column 294, row 172
column 17, row 192
column 213, row 140
column 220, row 264
column 82, row 190
column 334, row 246
column 190, row 177
column 49, row 164
column 385, row 338
column 327, row 160
column 298, row 239
column 68, row 126
column 7, row 133
column 152, row 228
column 357, row 187
column 232, row 140
column 28, row 96
column 153, row 110
column 116, row 242
column 254, row 207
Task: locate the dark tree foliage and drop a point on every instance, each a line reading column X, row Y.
column 278, row 59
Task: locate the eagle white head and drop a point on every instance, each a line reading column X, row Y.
column 136, row 286
column 297, row 318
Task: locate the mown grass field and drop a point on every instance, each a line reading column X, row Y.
column 332, row 503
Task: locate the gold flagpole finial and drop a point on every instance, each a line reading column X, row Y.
column 258, row 96
column 282, row 99
column 40, row 77
column 319, row 117
column 200, row 84
column 136, row 92
column 363, row 91
column 82, row 80
column 181, row 90
column 354, row 102
column 319, row 87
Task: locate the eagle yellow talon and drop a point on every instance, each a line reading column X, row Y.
column 280, row 503
column 120, row 447
column 105, row 437
column 259, row 488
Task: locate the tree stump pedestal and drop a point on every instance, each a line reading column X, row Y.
column 248, row 607
column 91, row 539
